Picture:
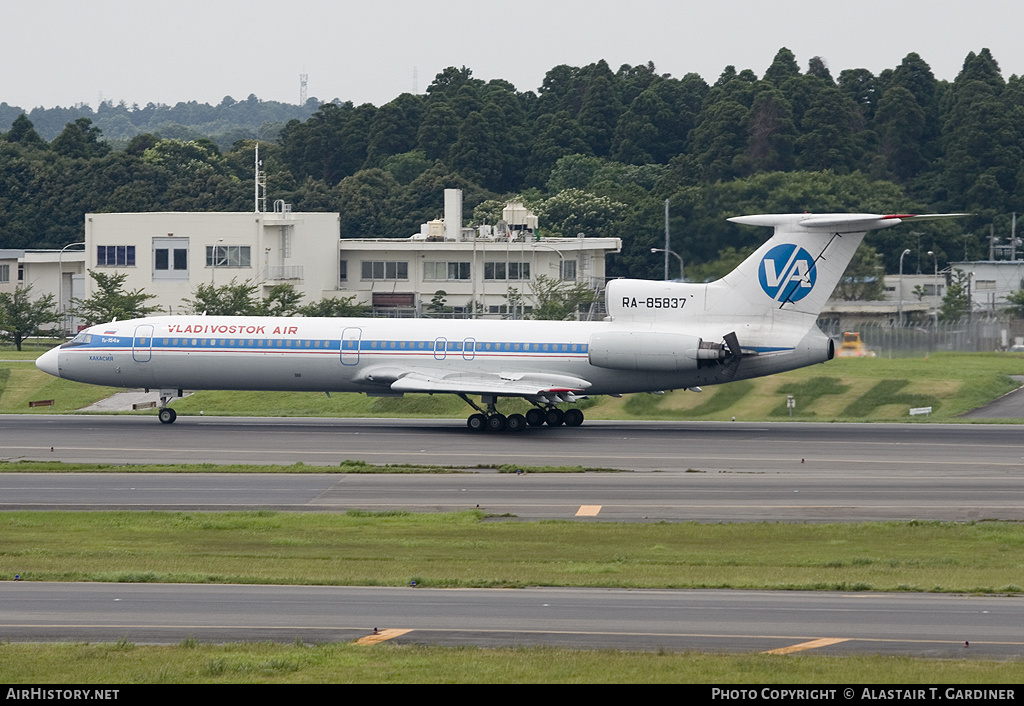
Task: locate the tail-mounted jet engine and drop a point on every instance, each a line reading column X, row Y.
column 635, row 350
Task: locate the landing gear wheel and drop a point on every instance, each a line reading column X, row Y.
column 476, row 422
column 535, row 417
column 496, row 422
column 555, row 417
column 167, row 415
column 573, row 417
column 515, row 423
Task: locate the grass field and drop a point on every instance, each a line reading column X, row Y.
column 268, row 663
column 466, row 550
column 866, row 389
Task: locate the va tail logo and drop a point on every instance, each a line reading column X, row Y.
column 787, row 273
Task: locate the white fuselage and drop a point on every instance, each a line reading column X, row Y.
column 342, row 354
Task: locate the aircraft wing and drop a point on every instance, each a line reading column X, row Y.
column 509, row 384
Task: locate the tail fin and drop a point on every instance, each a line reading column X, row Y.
column 798, row 268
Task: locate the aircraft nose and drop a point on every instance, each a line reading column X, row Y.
column 47, row 362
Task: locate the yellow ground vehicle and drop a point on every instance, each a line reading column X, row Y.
column 853, row 347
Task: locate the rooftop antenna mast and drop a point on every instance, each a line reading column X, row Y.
column 260, row 183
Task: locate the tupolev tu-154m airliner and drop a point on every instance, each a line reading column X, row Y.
column 758, row 320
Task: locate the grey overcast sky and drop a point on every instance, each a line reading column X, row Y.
column 62, row 52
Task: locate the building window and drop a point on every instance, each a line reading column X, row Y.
column 567, row 270
column 377, row 269
column 343, row 271
column 984, row 284
column 5, row 273
column 446, row 271
column 170, row 258
column 506, row 309
column 228, row 256
column 115, row 256
column 506, row 270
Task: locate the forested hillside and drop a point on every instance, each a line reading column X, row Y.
column 593, row 150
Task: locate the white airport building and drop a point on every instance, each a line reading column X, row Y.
column 57, row 272
column 170, row 254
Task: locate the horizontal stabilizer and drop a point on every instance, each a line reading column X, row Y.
column 842, row 221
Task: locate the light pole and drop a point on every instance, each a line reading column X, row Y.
column 213, row 262
column 671, row 252
column 904, row 253
column 935, row 292
column 666, row 242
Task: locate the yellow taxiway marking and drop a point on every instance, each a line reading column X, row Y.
column 823, row 642
column 381, row 636
column 588, row 510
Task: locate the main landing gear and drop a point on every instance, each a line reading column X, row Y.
column 492, row 420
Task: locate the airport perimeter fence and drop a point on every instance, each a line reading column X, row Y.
column 969, row 335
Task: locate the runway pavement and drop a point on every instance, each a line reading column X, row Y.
column 931, row 625
column 841, row 449
column 680, row 471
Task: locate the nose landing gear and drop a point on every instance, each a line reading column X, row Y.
column 166, row 415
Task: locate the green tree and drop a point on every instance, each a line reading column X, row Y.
column 783, row 68
column 832, row 133
column 599, row 114
column 719, row 141
column 439, row 303
column 80, row 140
column 281, row 300
column 21, row 316
column 111, row 302
column 901, row 127
column 557, row 135
column 771, row 132
column 480, row 151
column 955, row 304
column 556, row 300
column 1016, row 301
column 232, row 299
column 24, row 133
column 393, row 128
column 980, row 140
column 242, row 299
column 334, row 307
column 864, row 279
column 574, row 211
column 364, row 200
column 638, row 134
column 438, row 130
column 728, row 260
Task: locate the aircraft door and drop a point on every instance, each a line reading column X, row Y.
column 350, row 339
column 142, row 343
column 469, row 348
column 440, row 348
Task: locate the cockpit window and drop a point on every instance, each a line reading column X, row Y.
column 82, row 339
